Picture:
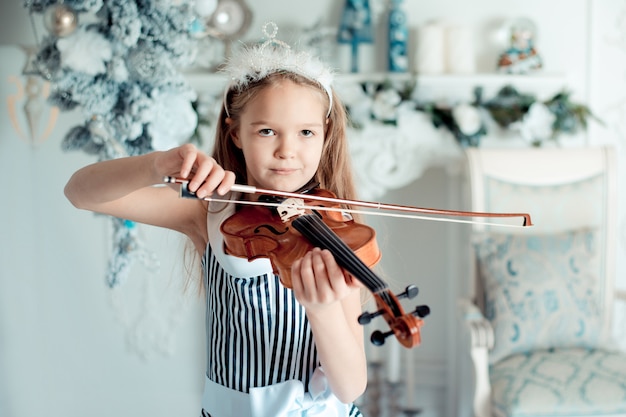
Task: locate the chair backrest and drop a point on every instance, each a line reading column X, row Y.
column 562, row 189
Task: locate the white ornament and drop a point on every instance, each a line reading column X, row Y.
column 85, row 51
column 173, row 121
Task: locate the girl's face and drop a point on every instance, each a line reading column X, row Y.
column 281, row 135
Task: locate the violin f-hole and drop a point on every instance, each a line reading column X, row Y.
column 271, row 228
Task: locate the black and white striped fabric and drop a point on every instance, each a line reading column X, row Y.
column 257, row 332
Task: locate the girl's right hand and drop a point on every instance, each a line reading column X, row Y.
column 205, row 175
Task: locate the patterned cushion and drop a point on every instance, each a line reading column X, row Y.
column 563, row 382
column 541, row 291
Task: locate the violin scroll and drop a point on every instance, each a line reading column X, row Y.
column 404, row 326
column 410, row 292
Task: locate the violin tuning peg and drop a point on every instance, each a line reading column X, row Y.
column 366, row 317
column 378, row 337
column 410, row 291
column 421, row 311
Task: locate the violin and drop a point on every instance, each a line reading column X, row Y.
column 288, row 232
column 283, row 226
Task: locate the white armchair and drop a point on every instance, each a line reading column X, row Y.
column 537, row 321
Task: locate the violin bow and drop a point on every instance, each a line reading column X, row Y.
column 416, row 212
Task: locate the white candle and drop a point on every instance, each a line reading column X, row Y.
column 430, row 56
column 366, row 58
column 393, row 361
column 460, row 53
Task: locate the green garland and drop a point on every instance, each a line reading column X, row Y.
column 509, row 109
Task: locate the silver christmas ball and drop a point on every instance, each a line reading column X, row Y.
column 60, row 20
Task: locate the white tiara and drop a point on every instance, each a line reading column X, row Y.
column 252, row 64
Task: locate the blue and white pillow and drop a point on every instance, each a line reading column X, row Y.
column 541, row 291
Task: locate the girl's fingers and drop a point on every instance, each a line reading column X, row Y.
column 204, row 173
column 317, row 279
column 303, row 280
column 207, row 176
column 307, row 276
column 319, row 263
column 188, row 154
column 335, row 274
column 227, row 182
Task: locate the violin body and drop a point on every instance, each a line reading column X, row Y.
column 260, row 232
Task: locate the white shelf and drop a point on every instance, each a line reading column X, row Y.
column 474, row 78
column 207, row 80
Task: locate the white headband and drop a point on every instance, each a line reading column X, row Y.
column 252, row 64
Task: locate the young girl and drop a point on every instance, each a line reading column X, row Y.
column 272, row 350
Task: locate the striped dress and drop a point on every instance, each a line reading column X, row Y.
column 257, row 333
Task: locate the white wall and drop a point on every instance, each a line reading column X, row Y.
column 62, row 350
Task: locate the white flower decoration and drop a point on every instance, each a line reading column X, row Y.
column 536, row 126
column 359, row 103
column 173, row 121
column 385, row 104
column 85, row 51
column 467, row 118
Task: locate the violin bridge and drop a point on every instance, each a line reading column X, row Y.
column 289, row 208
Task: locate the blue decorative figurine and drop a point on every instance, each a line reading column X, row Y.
column 356, row 27
column 398, row 38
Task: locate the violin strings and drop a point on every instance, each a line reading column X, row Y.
column 319, row 233
column 325, row 237
column 390, row 302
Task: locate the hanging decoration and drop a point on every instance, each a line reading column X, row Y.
column 60, row 20
column 31, row 94
column 117, row 62
column 229, row 21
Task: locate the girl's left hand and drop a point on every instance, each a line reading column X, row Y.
column 318, row 281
